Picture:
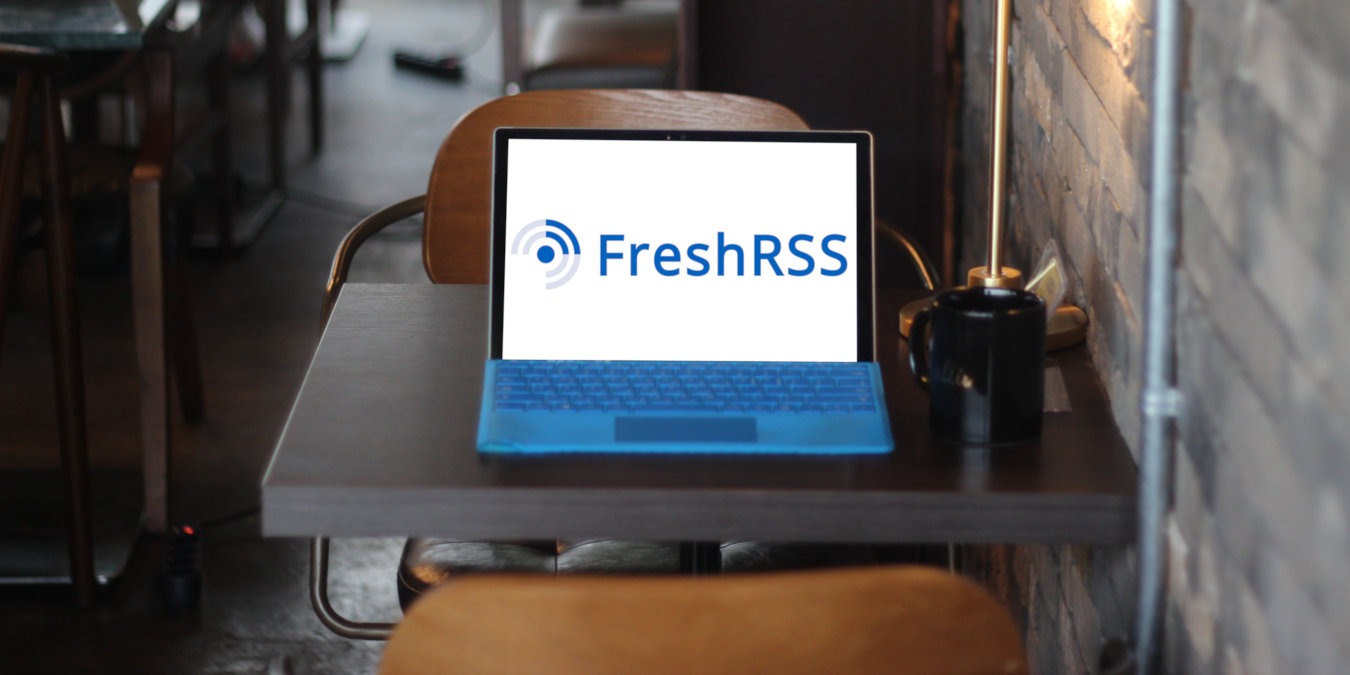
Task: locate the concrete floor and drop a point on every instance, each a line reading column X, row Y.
column 257, row 317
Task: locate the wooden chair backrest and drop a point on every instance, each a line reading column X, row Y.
column 913, row 620
column 458, row 221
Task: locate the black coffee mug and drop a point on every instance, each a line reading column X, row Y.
column 980, row 353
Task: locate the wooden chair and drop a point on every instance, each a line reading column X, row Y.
column 458, row 220
column 912, row 620
column 455, row 247
column 458, row 216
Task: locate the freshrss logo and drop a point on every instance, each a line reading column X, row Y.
column 554, row 245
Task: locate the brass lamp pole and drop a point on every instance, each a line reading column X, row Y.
column 993, row 274
column 1068, row 324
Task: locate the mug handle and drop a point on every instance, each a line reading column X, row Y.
column 918, row 347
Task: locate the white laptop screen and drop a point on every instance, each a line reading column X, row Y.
column 706, row 246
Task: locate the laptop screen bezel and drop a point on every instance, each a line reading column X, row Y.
column 864, row 230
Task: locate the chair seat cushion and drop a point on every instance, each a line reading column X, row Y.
column 569, row 38
column 601, row 77
column 427, row 562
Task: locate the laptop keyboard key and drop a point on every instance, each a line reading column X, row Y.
column 704, row 387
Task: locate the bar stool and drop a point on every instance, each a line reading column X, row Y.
column 603, row 47
column 35, row 70
column 281, row 50
column 145, row 177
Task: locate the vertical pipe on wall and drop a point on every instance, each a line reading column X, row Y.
column 1159, row 401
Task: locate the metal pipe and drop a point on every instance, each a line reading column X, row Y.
column 998, row 139
column 1159, row 401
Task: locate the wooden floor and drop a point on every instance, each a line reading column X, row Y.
column 257, row 315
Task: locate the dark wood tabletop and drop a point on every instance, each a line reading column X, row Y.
column 380, row 442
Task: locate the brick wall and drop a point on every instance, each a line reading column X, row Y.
column 1258, row 536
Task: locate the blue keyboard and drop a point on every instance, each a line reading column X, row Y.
column 680, row 386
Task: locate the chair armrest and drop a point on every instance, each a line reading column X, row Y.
column 922, row 263
column 363, row 230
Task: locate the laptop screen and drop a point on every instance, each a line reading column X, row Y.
column 712, row 246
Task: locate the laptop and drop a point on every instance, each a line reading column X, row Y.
column 682, row 292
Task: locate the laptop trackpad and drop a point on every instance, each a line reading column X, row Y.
column 685, row 429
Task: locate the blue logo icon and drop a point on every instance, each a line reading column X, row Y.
column 552, row 244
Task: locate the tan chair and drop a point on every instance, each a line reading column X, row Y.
column 458, row 219
column 457, row 205
column 455, row 245
column 912, row 620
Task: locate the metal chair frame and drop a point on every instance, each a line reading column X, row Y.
column 695, row 557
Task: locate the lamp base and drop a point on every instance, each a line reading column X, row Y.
column 982, row 277
column 1066, row 328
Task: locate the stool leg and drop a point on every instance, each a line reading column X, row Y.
column 147, row 286
column 513, row 62
column 187, row 368
column 222, row 155
column 315, row 66
column 66, row 345
column 11, row 186
column 278, row 73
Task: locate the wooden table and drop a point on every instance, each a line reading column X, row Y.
column 380, row 442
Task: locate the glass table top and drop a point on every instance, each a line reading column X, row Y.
column 79, row 24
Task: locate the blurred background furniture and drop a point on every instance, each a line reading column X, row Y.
column 281, row 51
column 912, row 620
column 596, row 44
column 609, row 45
column 35, row 69
column 138, row 50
